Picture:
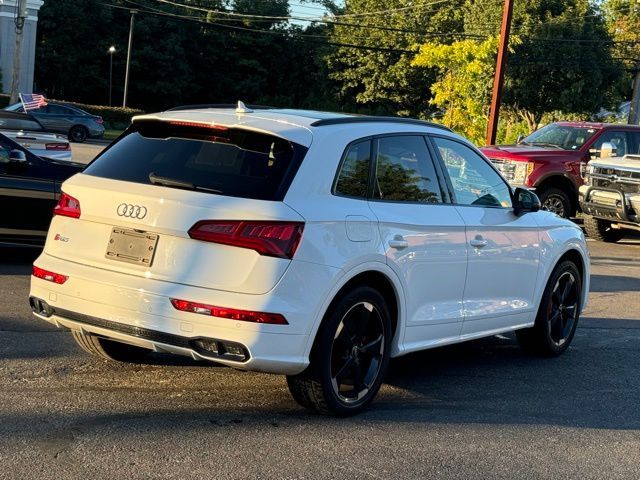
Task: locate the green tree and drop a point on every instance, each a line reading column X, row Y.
column 623, row 22
column 379, row 77
column 562, row 60
column 462, row 91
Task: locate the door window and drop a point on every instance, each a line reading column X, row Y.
column 405, row 171
column 59, row 110
column 634, row 142
column 474, row 181
column 617, row 138
column 353, row 179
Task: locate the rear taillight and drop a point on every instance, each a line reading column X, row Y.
column 230, row 313
column 48, row 276
column 99, row 120
column 57, row 146
column 67, row 206
column 274, row 239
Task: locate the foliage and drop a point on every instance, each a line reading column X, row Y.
column 462, row 91
column 379, row 76
column 562, row 61
column 206, row 58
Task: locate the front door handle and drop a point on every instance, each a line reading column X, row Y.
column 478, row 242
column 398, row 242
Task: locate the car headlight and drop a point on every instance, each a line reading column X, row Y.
column 514, row 172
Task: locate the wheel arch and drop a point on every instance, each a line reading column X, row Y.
column 577, row 256
column 378, row 276
column 561, row 182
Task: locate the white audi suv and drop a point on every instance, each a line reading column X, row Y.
column 310, row 244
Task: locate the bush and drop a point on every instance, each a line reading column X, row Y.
column 115, row 118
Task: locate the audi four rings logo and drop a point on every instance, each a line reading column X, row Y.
column 132, row 211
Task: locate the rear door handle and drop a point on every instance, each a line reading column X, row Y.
column 398, row 242
column 478, row 242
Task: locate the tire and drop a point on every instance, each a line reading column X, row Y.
column 350, row 356
column 556, row 201
column 78, row 134
column 601, row 230
column 108, row 349
column 558, row 314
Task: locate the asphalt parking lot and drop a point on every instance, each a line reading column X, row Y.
column 85, row 152
column 478, row 410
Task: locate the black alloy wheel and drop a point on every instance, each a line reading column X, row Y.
column 562, row 308
column 350, row 355
column 558, row 313
column 78, row 134
column 357, row 352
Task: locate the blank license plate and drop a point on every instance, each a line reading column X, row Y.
column 131, row 246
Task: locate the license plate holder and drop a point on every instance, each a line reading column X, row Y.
column 132, row 246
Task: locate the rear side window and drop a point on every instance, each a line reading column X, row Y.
column 353, row 179
column 405, row 171
column 226, row 161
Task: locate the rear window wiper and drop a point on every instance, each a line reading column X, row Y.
column 175, row 183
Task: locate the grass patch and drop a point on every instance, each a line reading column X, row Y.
column 112, row 134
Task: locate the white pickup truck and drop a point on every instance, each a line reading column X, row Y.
column 610, row 197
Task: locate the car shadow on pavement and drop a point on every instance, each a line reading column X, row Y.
column 17, row 261
column 593, row 385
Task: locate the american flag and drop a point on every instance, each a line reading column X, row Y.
column 31, row 101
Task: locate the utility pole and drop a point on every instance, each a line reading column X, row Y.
column 498, row 79
column 634, row 107
column 20, row 18
column 126, row 75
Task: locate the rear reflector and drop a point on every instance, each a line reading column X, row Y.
column 48, row 276
column 57, row 146
column 67, row 206
column 274, row 239
column 230, row 313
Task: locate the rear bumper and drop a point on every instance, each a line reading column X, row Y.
column 610, row 204
column 138, row 311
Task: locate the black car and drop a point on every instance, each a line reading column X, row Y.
column 29, row 189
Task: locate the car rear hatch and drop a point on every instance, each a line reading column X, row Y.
column 194, row 204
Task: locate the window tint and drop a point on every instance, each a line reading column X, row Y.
column 618, row 139
column 227, row 161
column 353, row 178
column 19, row 124
column 60, row 110
column 474, row 181
column 634, row 137
column 405, row 171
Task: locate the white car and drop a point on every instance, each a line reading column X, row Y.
column 310, row 244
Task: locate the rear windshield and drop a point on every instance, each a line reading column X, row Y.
column 225, row 161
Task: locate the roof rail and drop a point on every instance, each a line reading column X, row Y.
column 367, row 119
column 202, row 106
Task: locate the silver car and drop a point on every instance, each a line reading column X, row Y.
column 29, row 132
column 69, row 120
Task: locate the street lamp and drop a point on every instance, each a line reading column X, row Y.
column 112, row 50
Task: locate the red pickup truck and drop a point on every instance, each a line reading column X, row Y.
column 549, row 160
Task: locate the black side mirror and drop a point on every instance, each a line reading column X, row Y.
column 525, row 201
column 519, row 139
column 17, row 156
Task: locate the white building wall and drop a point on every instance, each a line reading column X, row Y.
column 8, row 43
